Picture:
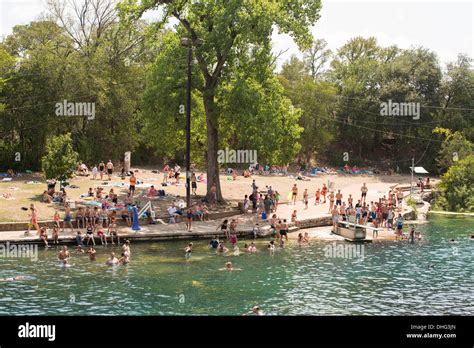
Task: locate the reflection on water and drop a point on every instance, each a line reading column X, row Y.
column 432, row 277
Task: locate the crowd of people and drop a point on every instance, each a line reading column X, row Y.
column 64, row 254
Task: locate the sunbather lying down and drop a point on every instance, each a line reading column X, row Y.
column 301, row 177
column 7, row 196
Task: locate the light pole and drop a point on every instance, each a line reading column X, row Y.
column 188, row 43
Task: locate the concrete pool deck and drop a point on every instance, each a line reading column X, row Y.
column 318, row 227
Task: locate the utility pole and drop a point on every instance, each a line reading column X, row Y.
column 187, row 43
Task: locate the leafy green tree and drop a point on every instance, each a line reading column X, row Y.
column 316, row 101
column 454, row 147
column 316, row 57
column 456, row 190
column 219, row 30
column 60, row 160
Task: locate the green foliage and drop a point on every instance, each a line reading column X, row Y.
column 454, row 147
column 60, row 160
column 456, row 190
column 315, row 100
column 412, row 204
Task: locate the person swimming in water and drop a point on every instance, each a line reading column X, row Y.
column 112, row 261
column 257, row 311
column 12, row 279
column 188, row 250
column 251, row 248
column 229, row 267
column 412, row 235
column 271, row 246
column 221, row 248
column 91, row 251
column 126, row 248
column 214, row 243
column 300, row 238
column 124, row 259
column 306, row 237
column 64, row 254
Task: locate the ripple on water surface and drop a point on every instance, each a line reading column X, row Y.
column 433, row 277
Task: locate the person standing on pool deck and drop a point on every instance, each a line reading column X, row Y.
column 33, row 219
column 305, row 198
column 338, row 198
column 101, row 170
column 189, row 220
column 363, row 190
column 399, row 232
column 177, row 173
column 324, row 191
column 194, row 183
column 331, row 201
column 110, row 169
column 133, row 182
column 67, row 218
column 294, row 193
column 284, row 230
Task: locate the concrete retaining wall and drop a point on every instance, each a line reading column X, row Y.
column 23, row 226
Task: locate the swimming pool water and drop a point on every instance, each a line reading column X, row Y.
column 432, row 277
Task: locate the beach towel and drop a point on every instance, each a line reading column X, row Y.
column 7, row 179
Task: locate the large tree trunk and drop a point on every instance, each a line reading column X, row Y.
column 212, row 146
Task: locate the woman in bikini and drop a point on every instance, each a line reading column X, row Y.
column 33, row 219
column 224, row 228
column 43, row 234
column 56, row 219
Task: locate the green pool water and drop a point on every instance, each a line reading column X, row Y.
column 432, row 277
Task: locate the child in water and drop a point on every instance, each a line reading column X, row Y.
column 229, row 267
column 188, row 250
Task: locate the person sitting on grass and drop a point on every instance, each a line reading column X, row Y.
column 152, row 192
column 46, row 198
